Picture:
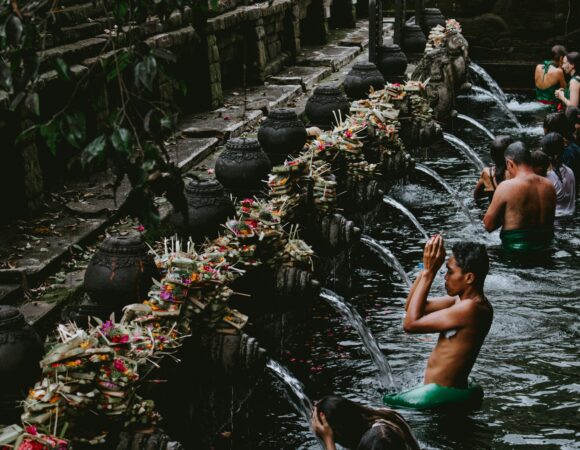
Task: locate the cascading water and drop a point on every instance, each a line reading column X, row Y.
column 395, row 204
column 300, row 400
column 502, row 104
column 434, row 175
column 387, row 257
column 386, row 378
column 476, row 124
column 491, row 83
column 465, row 149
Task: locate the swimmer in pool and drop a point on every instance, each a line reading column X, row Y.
column 462, row 319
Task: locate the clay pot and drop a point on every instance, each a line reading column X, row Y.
column 208, row 207
column 120, row 272
column 243, row 165
column 361, row 78
column 413, row 38
column 392, row 62
column 21, row 350
column 322, row 103
column 431, row 18
column 282, row 134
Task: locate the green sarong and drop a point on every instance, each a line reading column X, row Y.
column 527, row 239
column 547, row 96
column 430, row 396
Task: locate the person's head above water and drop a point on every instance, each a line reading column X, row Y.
column 498, row 146
column 553, row 145
column 558, row 53
column 540, row 163
column 351, row 421
column 517, row 156
column 467, row 268
column 571, row 63
column 381, row 436
column 557, row 122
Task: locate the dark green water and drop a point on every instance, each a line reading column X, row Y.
column 529, row 365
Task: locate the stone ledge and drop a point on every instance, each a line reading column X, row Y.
column 186, row 152
column 222, row 123
column 333, row 56
column 305, row 76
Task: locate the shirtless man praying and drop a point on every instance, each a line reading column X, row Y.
column 462, row 319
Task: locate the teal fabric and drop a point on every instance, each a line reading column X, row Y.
column 429, row 396
column 527, row 239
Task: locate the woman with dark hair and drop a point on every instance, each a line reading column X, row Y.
column 549, row 76
column 494, row 174
column 558, row 123
column 338, row 420
column 560, row 175
column 570, row 96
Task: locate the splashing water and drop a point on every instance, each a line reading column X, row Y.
column 491, row 83
column 395, row 204
column 526, row 107
column 300, row 400
column 476, row 124
column 387, row 257
column 465, row 149
column 434, row 175
column 386, row 378
column 502, row 104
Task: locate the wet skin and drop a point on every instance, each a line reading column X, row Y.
column 465, row 309
column 526, row 200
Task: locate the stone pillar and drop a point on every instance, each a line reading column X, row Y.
column 261, row 58
column 419, row 12
column 294, row 30
column 375, row 28
column 33, row 182
column 215, row 72
column 399, row 20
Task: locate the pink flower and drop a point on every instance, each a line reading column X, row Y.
column 140, row 228
column 120, row 339
column 107, row 327
column 119, row 366
column 31, row 429
column 166, row 295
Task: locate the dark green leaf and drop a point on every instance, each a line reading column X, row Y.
column 14, row 28
column 32, row 103
column 120, row 10
column 51, row 134
column 94, row 151
column 62, row 69
column 5, row 76
column 115, row 68
column 145, row 72
column 31, row 63
column 122, row 141
column 73, row 128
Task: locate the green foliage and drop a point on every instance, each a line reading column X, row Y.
column 131, row 138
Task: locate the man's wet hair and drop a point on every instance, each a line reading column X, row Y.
column 472, row 257
column 557, row 122
column 518, row 153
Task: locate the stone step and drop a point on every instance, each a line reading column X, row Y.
column 72, row 53
column 76, row 14
column 186, row 152
column 333, row 56
column 264, row 98
column 10, row 294
column 75, row 33
column 223, row 123
column 30, row 252
column 305, row 76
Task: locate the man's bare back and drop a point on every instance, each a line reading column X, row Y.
column 454, row 355
column 525, row 201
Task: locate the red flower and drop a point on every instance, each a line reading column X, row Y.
column 119, row 366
